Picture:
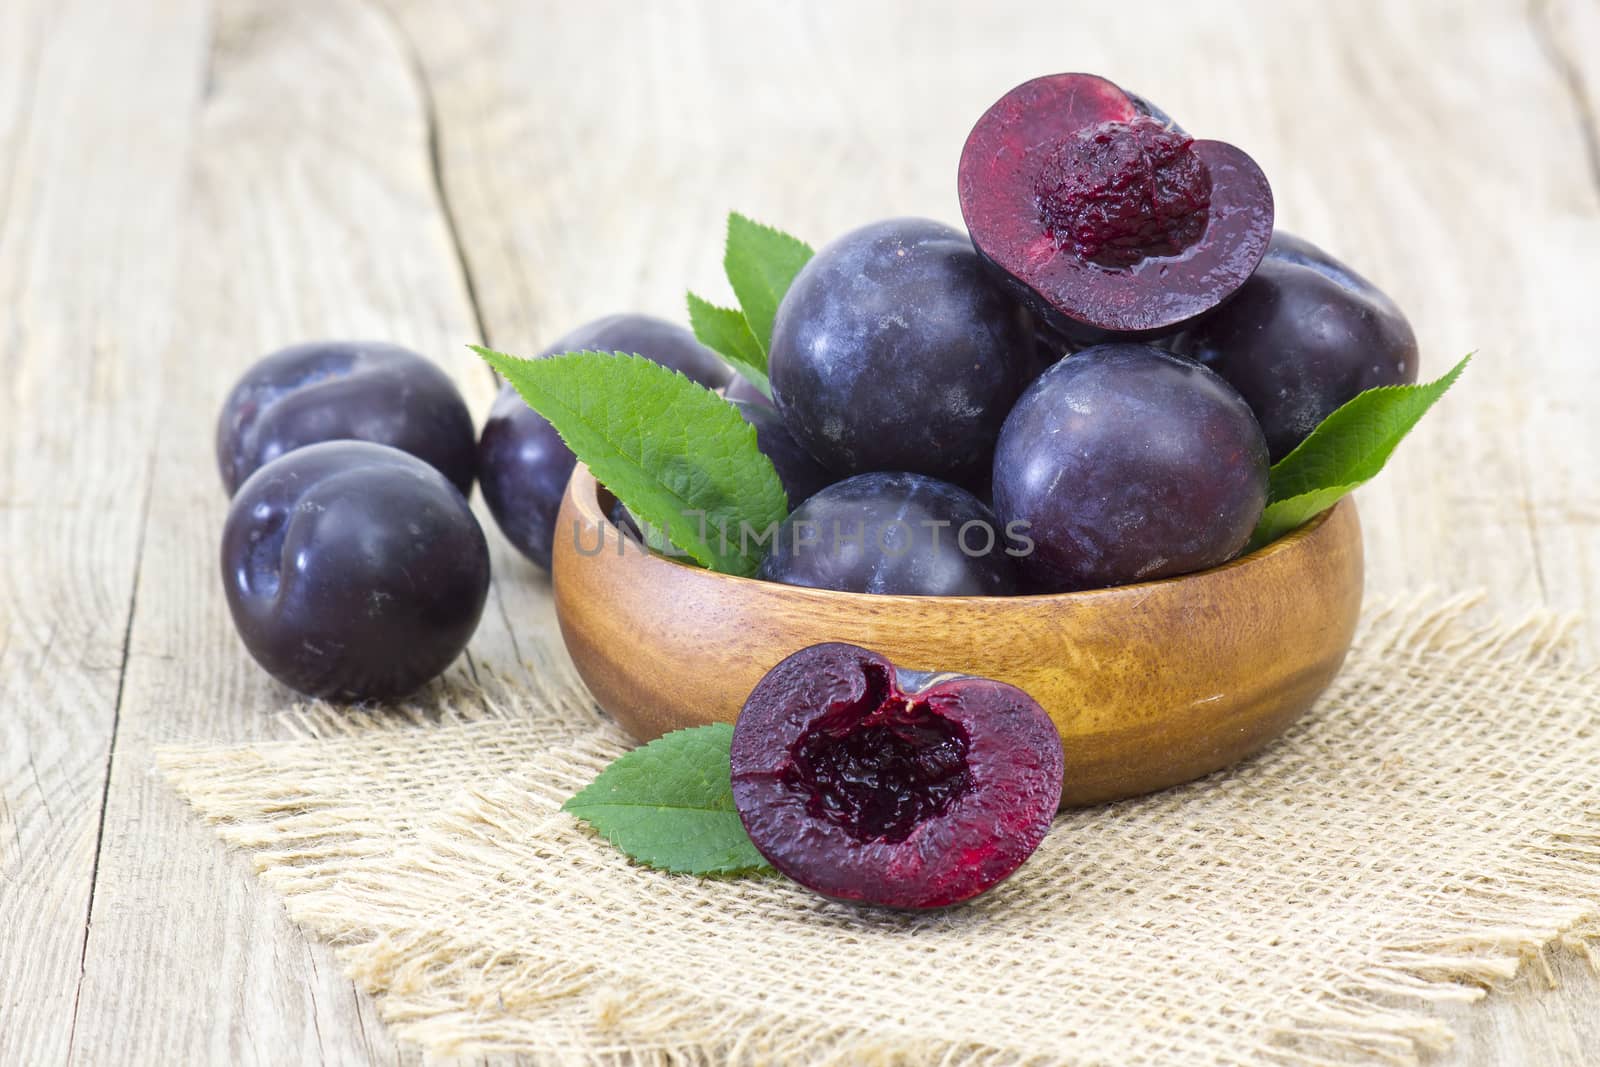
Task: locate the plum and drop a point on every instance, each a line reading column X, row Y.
column 524, row 466
column 867, row 783
column 353, row 571
column 894, row 533
column 894, row 350
column 345, row 390
column 1103, row 214
column 1126, row 463
column 802, row 476
column 1301, row 337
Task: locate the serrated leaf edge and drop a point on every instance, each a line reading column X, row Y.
column 699, row 550
column 1267, row 531
column 1438, row 387
column 756, row 376
column 573, row 807
column 736, row 218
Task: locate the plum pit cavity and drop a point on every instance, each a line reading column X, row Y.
column 880, row 766
column 1122, row 192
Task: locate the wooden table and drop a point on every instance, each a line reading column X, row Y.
column 187, row 184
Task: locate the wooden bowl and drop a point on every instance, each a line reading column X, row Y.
column 1150, row 684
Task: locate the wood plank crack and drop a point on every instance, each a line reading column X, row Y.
column 111, row 745
column 430, row 117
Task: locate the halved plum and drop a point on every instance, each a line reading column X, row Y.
column 1105, row 215
column 865, row 782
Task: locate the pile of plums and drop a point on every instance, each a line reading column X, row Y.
column 1084, row 389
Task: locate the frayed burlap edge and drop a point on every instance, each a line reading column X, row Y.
column 1545, row 896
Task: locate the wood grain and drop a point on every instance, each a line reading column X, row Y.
column 186, row 183
column 87, row 272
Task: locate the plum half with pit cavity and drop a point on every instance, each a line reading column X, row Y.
column 1104, row 214
column 867, row 783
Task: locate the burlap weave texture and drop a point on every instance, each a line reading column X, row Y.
column 1430, row 826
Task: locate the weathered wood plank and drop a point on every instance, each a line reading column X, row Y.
column 96, row 105
column 311, row 213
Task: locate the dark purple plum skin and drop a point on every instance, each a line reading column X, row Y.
column 354, row 572
column 523, row 469
column 922, row 558
column 524, row 466
column 894, row 788
column 339, row 391
column 1129, row 464
column 802, row 476
column 894, row 350
column 1304, row 335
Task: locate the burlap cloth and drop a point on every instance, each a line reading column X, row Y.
column 1430, row 826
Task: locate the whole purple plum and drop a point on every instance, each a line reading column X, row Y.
column 802, row 476
column 1304, row 335
column 1126, row 463
column 894, row 533
column 345, row 391
column 893, row 350
column 353, row 570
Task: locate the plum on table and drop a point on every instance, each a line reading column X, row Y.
column 353, row 571
column 345, row 390
column 524, row 466
column 863, row 782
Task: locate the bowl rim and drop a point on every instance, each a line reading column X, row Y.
column 583, row 490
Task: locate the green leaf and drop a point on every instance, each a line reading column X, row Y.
column 723, row 330
column 1282, row 516
column 669, row 805
column 1352, row 445
column 1346, row 450
column 676, row 454
column 761, row 262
